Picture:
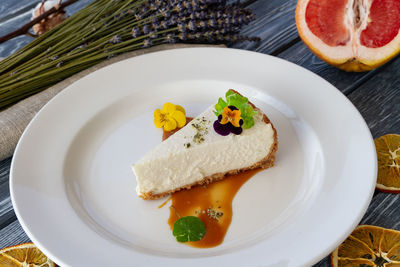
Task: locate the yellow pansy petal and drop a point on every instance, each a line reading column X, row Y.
column 169, row 108
column 159, row 123
column 158, row 114
column 170, row 124
column 180, row 108
column 180, row 118
column 159, row 120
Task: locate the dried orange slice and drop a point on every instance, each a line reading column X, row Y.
column 388, row 151
column 354, row 35
column 24, row 255
column 369, row 246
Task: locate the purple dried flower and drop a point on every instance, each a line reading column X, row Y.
column 212, row 23
column 164, row 24
column 147, row 43
column 153, row 7
column 182, row 36
column 169, row 38
column 135, row 32
column 138, row 16
column 192, row 26
column 179, row 7
column 200, row 15
column 116, row 39
column 165, row 13
column 181, row 27
column 146, row 29
column 153, row 34
column 144, row 8
column 187, row 4
column 201, row 24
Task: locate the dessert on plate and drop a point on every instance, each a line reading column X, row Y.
column 228, row 138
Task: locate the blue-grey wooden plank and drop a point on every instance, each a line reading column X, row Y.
column 13, row 234
column 344, row 81
column 6, row 210
column 12, row 8
column 274, row 24
column 378, row 100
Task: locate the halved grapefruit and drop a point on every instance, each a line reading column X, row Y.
column 353, row 35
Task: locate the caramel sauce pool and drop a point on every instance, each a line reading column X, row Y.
column 211, row 203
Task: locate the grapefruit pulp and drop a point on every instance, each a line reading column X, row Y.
column 354, row 35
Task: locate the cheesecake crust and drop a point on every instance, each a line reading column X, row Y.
column 265, row 163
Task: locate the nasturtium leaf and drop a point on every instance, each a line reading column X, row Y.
column 189, row 228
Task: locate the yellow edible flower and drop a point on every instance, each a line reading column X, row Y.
column 170, row 117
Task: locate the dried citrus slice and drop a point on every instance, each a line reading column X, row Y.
column 388, row 151
column 369, row 246
column 354, row 35
column 24, row 255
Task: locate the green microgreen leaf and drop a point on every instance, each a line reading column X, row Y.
column 189, row 228
column 219, row 107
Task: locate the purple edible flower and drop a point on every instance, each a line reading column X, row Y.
column 226, row 129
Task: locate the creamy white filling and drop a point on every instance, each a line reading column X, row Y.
column 172, row 164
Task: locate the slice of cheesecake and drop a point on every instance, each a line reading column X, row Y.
column 197, row 154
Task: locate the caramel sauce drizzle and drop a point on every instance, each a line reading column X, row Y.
column 212, row 203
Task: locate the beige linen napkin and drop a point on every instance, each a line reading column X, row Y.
column 14, row 119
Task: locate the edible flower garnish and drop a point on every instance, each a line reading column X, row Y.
column 229, row 122
column 233, row 114
column 170, row 117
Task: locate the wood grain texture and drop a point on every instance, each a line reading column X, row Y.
column 6, row 210
column 13, row 234
column 11, row 9
column 344, row 81
column 378, row 100
column 274, row 24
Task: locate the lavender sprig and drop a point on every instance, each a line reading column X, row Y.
column 105, row 29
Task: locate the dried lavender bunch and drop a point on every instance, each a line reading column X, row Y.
column 107, row 28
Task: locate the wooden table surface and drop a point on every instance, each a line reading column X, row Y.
column 376, row 94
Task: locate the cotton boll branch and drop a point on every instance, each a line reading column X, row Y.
column 25, row 28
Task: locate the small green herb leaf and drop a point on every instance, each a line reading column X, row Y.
column 219, row 107
column 189, row 228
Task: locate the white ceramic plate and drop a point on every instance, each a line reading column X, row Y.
column 74, row 193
